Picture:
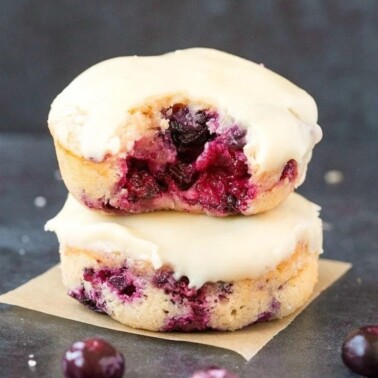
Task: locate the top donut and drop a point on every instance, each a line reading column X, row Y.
column 197, row 130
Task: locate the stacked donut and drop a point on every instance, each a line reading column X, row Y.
column 181, row 170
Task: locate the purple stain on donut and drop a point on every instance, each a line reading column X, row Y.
column 122, row 285
column 265, row 316
column 290, row 171
column 194, row 301
column 91, row 299
column 120, row 281
column 275, row 305
column 225, row 289
column 128, row 286
column 196, row 304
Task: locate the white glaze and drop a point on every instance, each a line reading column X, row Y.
column 90, row 115
column 200, row 247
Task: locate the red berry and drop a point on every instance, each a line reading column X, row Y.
column 93, row 358
column 213, row 372
column 360, row 351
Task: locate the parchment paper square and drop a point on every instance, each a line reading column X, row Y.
column 47, row 294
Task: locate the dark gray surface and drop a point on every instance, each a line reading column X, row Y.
column 309, row 347
column 329, row 47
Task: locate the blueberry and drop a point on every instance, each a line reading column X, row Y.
column 122, row 285
column 213, row 372
column 189, row 131
column 360, row 351
column 93, row 358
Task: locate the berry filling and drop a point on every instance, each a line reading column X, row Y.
column 190, row 164
column 196, row 305
column 290, row 171
column 128, row 285
column 194, row 163
column 120, row 281
column 194, row 301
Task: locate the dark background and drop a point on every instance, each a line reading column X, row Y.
column 328, row 47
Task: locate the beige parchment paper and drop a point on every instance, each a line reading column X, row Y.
column 47, row 294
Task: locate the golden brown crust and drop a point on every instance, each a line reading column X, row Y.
column 95, row 179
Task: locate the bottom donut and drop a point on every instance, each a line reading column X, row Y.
column 263, row 275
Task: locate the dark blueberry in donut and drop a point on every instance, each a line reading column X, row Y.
column 290, row 171
column 188, row 131
column 184, row 175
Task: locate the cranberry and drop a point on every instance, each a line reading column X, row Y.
column 290, row 171
column 360, row 351
column 140, row 182
column 93, row 358
column 183, row 175
column 213, row 372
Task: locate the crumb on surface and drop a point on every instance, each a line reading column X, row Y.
column 333, row 177
column 327, row 226
column 40, row 201
column 25, row 239
column 32, row 363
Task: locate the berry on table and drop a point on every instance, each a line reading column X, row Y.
column 93, row 358
column 213, row 372
column 360, row 351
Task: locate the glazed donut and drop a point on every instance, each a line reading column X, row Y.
column 197, row 130
column 172, row 271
